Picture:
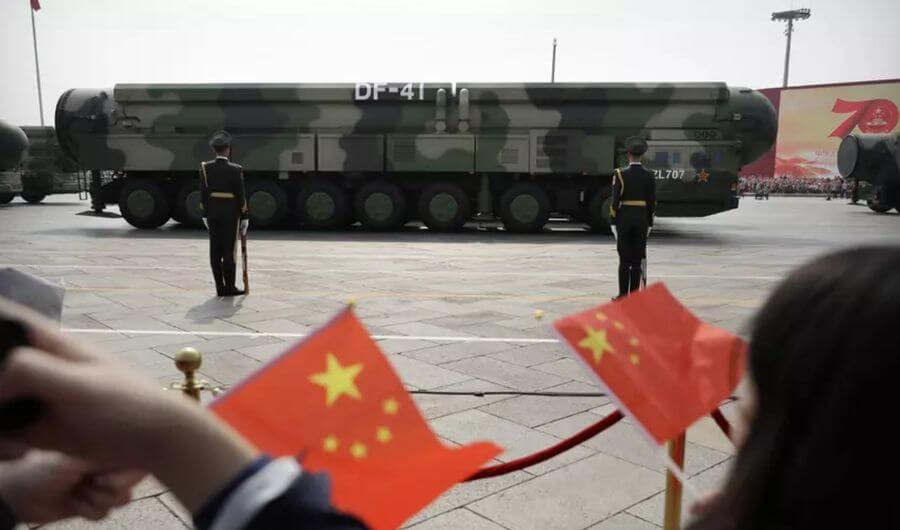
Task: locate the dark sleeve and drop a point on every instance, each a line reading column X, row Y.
column 7, row 517
column 305, row 503
column 240, row 193
column 651, row 198
column 616, row 196
column 204, row 191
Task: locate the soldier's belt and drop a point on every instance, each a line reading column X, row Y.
column 634, row 203
column 221, row 195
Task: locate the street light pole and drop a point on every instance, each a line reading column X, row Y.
column 37, row 68
column 553, row 65
column 789, row 17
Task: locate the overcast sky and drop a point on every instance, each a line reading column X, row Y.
column 98, row 43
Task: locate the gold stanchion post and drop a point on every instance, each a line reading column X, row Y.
column 672, row 514
column 188, row 361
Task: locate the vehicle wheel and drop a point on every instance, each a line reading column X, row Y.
column 144, row 204
column 6, row 198
column 322, row 204
column 597, row 215
column 380, row 206
column 524, row 207
column 444, row 207
column 878, row 208
column 33, row 198
column 267, row 202
column 187, row 208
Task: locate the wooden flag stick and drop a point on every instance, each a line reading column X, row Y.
column 672, row 514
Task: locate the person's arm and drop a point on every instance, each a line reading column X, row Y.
column 651, row 200
column 240, row 194
column 204, row 192
column 616, row 197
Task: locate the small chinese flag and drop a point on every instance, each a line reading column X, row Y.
column 36, row 5
column 664, row 366
column 334, row 400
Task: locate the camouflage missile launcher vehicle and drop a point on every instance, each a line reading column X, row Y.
column 873, row 159
column 384, row 154
column 45, row 169
column 13, row 144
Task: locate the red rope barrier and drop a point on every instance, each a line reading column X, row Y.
column 548, row 453
column 721, row 421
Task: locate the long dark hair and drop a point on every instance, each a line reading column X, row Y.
column 825, row 363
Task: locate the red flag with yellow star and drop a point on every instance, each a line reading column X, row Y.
column 334, row 400
column 665, row 367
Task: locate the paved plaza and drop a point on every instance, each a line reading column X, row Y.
column 452, row 312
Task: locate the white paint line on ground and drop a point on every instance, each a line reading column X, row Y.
column 672, row 276
column 255, row 334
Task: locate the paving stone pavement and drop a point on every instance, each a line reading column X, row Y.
column 453, row 312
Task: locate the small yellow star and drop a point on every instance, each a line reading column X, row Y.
column 619, row 326
column 358, row 450
column 390, row 406
column 601, row 317
column 634, row 342
column 383, row 435
column 597, row 342
column 635, row 360
column 703, row 176
column 331, row 444
column 338, row 380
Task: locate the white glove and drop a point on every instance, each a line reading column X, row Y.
column 245, row 223
column 649, row 229
column 615, row 234
column 205, row 223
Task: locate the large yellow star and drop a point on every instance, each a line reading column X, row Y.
column 597, row 342
column 338, row 380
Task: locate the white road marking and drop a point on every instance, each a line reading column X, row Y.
column 255, row 334
column 400, row 272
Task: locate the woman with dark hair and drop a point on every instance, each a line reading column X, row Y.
column 824, row 362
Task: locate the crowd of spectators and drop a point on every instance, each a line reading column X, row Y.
column 833, row 187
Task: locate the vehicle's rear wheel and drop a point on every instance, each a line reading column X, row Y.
column 144, row 204
column 33, row 198
column 877, row 207
column 322, row 204
column 524, row 207
column 267, row 202
column 444, row 207
column 187, row 209
column 597, row 215
column 380, row 205
column 6, row 198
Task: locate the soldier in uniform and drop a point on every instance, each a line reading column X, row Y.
column 224, row 212
column 632, row 207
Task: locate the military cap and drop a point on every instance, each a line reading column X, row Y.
column 220, row 139
column 635, row 145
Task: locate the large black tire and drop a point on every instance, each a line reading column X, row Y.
column 380, row 206
column 524, row 207
column 187, row 209
column 144, row 204
column 597, row 214
column 267, row 202
column 878, row 208
column 322, row 204
column 6, row 198
column 34, row 198
column 444, row 207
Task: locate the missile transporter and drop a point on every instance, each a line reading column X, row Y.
column 873, row 159
column 45, row 170
column 325, row 156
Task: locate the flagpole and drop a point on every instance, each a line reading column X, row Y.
column 672, row 514
column 37, row 66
